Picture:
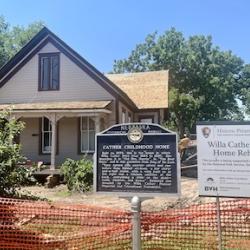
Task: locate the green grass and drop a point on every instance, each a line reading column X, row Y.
column 63, row 193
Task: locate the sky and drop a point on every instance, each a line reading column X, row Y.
column 105, row 30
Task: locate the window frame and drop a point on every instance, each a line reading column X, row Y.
column 142, row 117
column 48, row 55
column 124, row 114
column 88, row 133
column 130, row 119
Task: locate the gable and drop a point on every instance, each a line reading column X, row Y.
column 75, row 84
column 19, row 63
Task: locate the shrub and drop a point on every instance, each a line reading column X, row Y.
column 12, row 176
column 78, row 174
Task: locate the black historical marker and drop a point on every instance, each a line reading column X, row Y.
column 136, row 158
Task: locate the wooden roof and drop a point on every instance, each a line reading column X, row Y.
column 70, row 105
column 148, row 90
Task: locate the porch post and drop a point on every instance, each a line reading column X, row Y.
column 97, row 124
column 53, row 142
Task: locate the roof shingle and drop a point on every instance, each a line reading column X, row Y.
column 148, row 90
column 69, row 105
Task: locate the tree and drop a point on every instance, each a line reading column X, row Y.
column 202, row 84
column 13, row 39
column 244, row 79
column 11, row 176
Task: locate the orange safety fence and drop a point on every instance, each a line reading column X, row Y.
column 45, row 225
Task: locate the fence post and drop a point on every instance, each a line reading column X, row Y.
column 219, row 223
column 136, row 222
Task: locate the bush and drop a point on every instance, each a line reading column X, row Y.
column 12, row 176
column 78, row 174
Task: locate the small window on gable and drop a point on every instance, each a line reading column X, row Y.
column 49, row 70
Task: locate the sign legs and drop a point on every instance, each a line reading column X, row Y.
column 219, row 223
column 136, row 222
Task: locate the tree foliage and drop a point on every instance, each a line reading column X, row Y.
column 244, row 79
column 12, row 39
column 78, row 174
column 202, row 83
column 11, row 175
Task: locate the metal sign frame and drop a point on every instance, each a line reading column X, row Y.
column 139, row 194
column 217, row 123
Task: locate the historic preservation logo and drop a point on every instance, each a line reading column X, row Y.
column 135, row 135
column 206, row 131
column 211, row 185
column 210, row 180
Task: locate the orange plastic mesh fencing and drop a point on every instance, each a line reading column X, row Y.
column 43, row 225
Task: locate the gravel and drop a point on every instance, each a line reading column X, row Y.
column 189, row 196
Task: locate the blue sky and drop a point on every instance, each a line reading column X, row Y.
column 105, row 30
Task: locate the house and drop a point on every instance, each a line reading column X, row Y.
column 64, row 100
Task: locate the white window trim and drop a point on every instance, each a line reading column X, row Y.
column 42, row 66
column 50, row 137
column 123, row 116
column 88, row 132
column 129, row 117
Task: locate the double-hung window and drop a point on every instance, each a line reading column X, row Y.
column 123, row 115
column 46, row 135
column 129, row 117
column 147, row 119
column 87, row 130
column 49, row 71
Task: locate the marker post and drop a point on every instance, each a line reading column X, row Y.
column 136, row 222
column 219, row 223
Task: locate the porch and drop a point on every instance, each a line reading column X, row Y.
column 58, row 130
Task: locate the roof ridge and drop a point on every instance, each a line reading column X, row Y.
column 141, row 72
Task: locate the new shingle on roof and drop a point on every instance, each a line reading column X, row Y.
column 148, row 90
column 65, row 105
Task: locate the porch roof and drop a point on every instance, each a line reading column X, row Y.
column 49, row 106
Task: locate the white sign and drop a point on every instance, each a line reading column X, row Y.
column 223, row 150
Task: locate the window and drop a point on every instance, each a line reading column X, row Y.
column 46, row 135
column 49, row 71
column 146, row 118
column 123, row 115
column 129, row 118
column 87, row 128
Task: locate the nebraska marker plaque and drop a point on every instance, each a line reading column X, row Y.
column 137, row 159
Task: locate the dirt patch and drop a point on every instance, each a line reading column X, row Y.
column 189, row 195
